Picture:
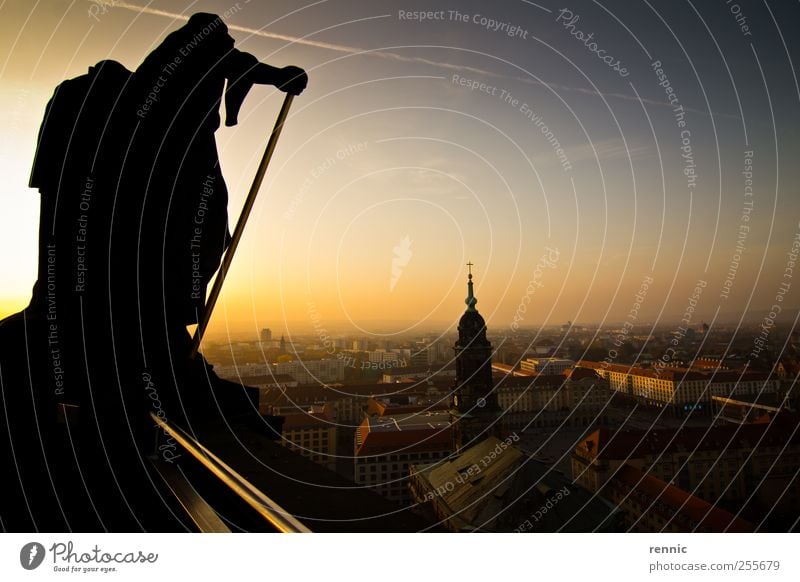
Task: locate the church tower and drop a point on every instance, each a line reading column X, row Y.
column 475, row 411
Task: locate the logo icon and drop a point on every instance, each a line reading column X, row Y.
column 402, row 255
column 31, row 555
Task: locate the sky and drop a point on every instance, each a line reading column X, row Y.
column 589, row 158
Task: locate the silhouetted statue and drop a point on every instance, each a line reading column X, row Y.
column 133, row 225
column 43, row 349
column 172, row 161
column 170, row 226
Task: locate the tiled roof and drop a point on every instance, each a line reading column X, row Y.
column 682, row 507
column 410, row 441
column 493, row 486
column 624, row 444
column 463, row 490
column 576, row 374
column 303, row 420
column 675, row 374
column 403, row 434
column 661, row 373
column 423, row 404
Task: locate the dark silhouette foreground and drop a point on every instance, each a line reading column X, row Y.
column 133, row 225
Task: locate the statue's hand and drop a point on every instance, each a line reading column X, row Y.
column 293, row 80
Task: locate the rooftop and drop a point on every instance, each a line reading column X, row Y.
column 411, row 421
column 675, row 374
column 494, row 486
column 683, row 508
column 605, row 443
column 406, row 404
column 301, row 420
column 541, row 380
column 398, row 434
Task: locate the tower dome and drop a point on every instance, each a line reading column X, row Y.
column 471, row 326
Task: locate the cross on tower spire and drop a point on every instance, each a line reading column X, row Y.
column 470, row 300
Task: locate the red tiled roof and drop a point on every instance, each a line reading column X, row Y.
column 576, row 373
column 624, row 444
column 663, row 373
column 306, row 420
column 397, row 435
column 679, row 503
column 380, row 408
column 675, row 374
column 407, row 441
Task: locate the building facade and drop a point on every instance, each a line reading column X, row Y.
column 311, row 434
column 683, row 390
column 546, row 365
column 553, row 401
column 312, row 371
column 386, row 446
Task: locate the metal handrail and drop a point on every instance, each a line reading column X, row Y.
column 281, row 519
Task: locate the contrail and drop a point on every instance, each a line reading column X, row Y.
column 341, row 48
column 254, row 31
column 383, row 54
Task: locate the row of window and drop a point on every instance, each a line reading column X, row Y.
column 412, row 457
column 395, row 477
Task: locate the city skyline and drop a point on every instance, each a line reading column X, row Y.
column 420, row 145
